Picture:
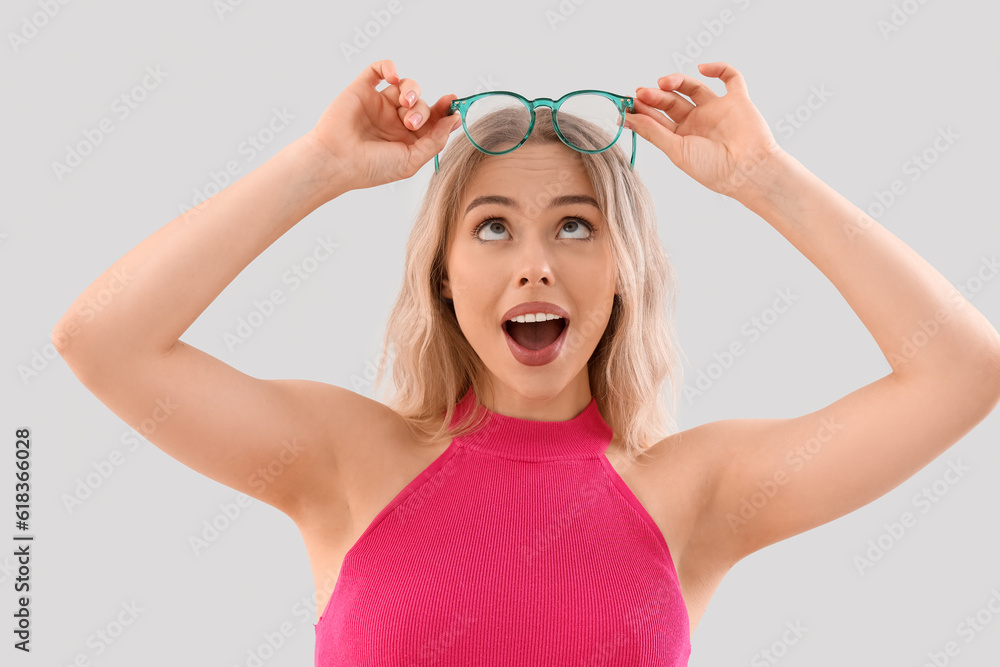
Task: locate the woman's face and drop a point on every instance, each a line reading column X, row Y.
column 532, row 247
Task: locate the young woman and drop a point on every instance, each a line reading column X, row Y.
column 515, row 503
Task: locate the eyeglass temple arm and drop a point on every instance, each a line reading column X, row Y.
column 451, row 112
column 631, row 165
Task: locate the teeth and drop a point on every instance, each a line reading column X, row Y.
column 535, row 317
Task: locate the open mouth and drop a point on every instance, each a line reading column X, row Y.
column 535, row 335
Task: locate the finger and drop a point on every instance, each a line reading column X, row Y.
column 654, row 113
column 440, row 117
column 441, row 110
column 409, row 93
column 690, row 86
column 667, row 101
column 433, row 140
column 728, row 74
column 442, row 107
column 382, row 70
column 415, row 116
column 428, row 115
column 656, row 132
column 400, row 95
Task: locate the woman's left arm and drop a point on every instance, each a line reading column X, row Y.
column 944, row 354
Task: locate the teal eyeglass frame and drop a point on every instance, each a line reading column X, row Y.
column 622, row 102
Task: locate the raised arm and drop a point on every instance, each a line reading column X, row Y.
column 769, row 479
column 121, row 336
column 275, row 440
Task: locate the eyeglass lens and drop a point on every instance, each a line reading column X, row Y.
column 596, row 109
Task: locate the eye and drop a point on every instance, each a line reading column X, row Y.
column 573, row 223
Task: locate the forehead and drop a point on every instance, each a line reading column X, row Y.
column 528, row 177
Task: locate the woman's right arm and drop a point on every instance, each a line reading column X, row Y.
column 121, row 337
column 275, row 440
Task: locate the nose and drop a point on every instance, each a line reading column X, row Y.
column 535, row 267
column 525, row 281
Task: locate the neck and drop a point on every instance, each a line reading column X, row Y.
column 583, row 435
column 544, row 404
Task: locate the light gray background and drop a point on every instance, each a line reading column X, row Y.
column 225, row 73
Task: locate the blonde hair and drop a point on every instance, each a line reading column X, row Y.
column 433, row 364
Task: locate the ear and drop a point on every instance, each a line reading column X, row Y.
column 446, row 288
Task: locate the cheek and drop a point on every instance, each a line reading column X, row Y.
column 467, row 274
column 593, row 291
column 593, row 277
column 477, row 307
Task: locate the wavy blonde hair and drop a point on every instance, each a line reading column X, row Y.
column 433, row 364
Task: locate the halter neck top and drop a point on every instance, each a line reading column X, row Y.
column 519, row 545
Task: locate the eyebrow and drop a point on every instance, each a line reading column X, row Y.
column 563, row 200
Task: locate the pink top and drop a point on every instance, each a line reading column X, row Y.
column 520, row 544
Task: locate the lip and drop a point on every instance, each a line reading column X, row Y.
column 536, row 357
column 546, row 354
column 534, row 307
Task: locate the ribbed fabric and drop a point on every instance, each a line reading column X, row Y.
column 519, row 545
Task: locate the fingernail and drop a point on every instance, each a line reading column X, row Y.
column 415, row 119
column 411, row 97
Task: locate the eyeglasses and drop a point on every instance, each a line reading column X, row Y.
column 604, row 109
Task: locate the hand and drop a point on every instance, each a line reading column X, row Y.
column 367, row 135
column 721, row 142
